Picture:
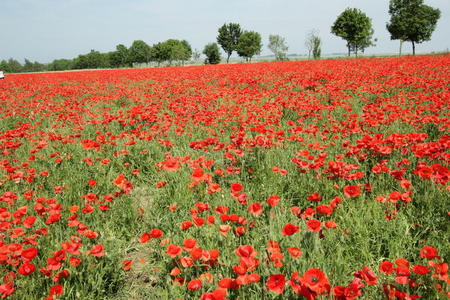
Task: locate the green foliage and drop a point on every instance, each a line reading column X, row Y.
column 212, row 54
column 61, row 65
column 278, row 46
column 30, row 66
column 249, row 44
column 228, row 38
column 139, row 52
column 317, row 43
column 196, row 55
column 170, row 51
column 92, row 60
column 309, row 41
column 119, row 58
column 411, row 20
column 11, row 66
column 355, row 27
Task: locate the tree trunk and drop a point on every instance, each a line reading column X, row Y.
column 348, row 51
column 309, row 54
column 356, row 52
column 414, row 48
column 228, row 57
column 400, row 50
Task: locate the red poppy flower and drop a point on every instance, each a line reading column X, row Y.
column 189, row 244
column 194, row 285
column 236, row 187
column 294, row 252
column 161, row 184
column 28, row 254
column 245, row 251
column 386, row 267
column 428, row 252
column 367, row 275
column 26, row 269
column 420, row 269
column 126, row 264
column 120, row 180
column 255, row 208
column 74, row 261
column 185, row 225
column 316, row 281
column 276, row 283
column 173, row 250
column 218, row 294
column 352, row 191
column 156, row 233
column 289, row 229
column 314, row 197
column 313, row 225
column 330, row 224
column 273, row 200
column 324, row 209
column 97, row 251
column 145, row 237
column 56, row 290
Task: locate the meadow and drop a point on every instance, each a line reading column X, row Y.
column 320, row 179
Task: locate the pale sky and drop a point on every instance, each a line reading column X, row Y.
column 44, row 30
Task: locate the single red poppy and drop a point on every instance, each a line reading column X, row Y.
column 276, row 283
column 289, row 229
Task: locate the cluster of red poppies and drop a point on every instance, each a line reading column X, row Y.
column 221, row 151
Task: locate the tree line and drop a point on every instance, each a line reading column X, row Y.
column 411, row 20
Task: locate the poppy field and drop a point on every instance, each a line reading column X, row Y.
column 288, row 180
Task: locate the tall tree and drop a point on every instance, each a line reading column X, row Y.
column 139, row 52
column 309, row 41
column 278, row 46
column 61, row 64
column 228, row 38
column 212, row 54
column 249, row 44
column 11, row 66
column 119, row 58
column 317, row 47
column 196, row 55
column 412, row 21
column 355, row 27
column 171, row 50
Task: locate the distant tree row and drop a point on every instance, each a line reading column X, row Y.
column 13, row 66
column 169, row 52
column 411, row 20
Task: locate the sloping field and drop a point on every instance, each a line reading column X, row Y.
column 314, row 179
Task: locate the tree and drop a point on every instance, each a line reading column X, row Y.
column 317, row 47
column 119, row 58
column 92, row 60
column 186, row 54
column 412, row 21
column 171, row 50
column 11, row 66
column 61, row 64
column 249, row 44
column 139, row 52
column 228, row 38
column 309, row 41
column 212, row 54
column 278, row 46
column 355, row 27
column 195, row 55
